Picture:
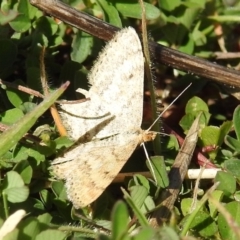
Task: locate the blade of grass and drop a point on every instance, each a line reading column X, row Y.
column 140, row 216
column 193, row 215
column 10, row 137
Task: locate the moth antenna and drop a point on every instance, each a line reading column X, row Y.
column 169, row 106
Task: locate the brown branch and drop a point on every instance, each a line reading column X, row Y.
column 21, row 88
column 176, row 176
column 162, row 54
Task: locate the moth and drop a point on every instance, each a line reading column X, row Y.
column 107, row 128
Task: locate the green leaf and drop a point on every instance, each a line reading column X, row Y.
column 13, row 179
column 105, row 224
column 145, row 234
column 8, row 16
column 29, row 228
column 170, row 143
column 22, row 153
column 210, row 137
column 59, row 190
column 17, row 195
column 159, row 171
column 111, row 13
column 21, row 23
column 45, row 218
column 195, row 105
column 204, row 219
column 38, row 205
column 52, row 234
column 227, row 183
column 233, row 166
column 169, row 5
column 11, row 116
column 237, row 196
column 81, row 46
column 236, row 121
column 45, row 197
column 225, row 230
column 131, row 8
column 148, row 205
column 10, row 137
column 225, row 18
column 6, row 160
column 139, row 179
column 224, row 130
column 139, row 188
column 190, row 15
column 120, row 219
column 186, row 206
column 200, row 38
column 174, row 31
column 140, row 216
column 188, row 47
column 187, row 120
column 138, row 194
column 15, row 96
column 55, row 41
column 195, row 4
column 217, row 195
column 233, row 143
column 168, row 233
column 14, row 188
column 27, row 9
column 25, row 170
column 47, row 26
column 226, row 153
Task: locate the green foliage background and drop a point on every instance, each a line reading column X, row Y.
column 26, row 182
